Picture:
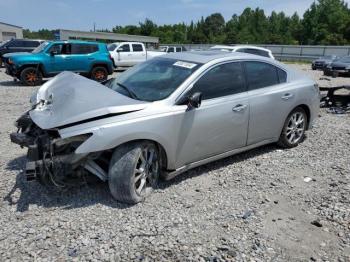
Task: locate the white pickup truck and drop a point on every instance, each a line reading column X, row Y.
column 130, row 53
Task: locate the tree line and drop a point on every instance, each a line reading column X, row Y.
column 326, row 22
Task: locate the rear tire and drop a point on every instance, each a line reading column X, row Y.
column 31, row 76
column 99, row 74
column 294, row 128
column 134, row 172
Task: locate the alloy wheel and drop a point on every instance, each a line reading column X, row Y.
column 146, row 170
column 295, row 128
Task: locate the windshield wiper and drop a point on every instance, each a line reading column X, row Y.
column 131, row 93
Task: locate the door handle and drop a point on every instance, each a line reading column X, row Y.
column 239, row 108
column 287, row 96
column 68, row 58
column 129, row 54
column 91, row 58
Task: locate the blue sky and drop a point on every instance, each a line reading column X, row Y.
column 81, row 14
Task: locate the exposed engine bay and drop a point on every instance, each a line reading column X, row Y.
column 51, row 160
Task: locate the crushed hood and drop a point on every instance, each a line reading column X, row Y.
column 69, row 98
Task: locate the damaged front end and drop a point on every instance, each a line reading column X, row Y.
column 50, row 159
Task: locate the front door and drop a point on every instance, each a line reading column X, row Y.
column 220, row 124
column 124, row 55
column 60, row 58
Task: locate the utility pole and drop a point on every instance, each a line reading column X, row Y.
column 94, row 27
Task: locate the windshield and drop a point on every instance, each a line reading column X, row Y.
column 328, row 57
column 40, row 48
column 112, row 47
column 163, row 48
column 154, row 79
column 345, row 59
column 3, row 43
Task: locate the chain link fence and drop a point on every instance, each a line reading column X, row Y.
column 289, row 52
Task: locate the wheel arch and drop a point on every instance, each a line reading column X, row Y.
column 160, row 147
column 40, row 66
column 307, row 111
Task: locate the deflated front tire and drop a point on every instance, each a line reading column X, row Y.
column 134, row 171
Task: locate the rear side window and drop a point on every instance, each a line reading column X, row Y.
column 261, row 75
column 16, row 43
column 222, row 80
column 282, row 75
column 137, row 48
column 31, row 44
column 84, row 48
column 178, row 49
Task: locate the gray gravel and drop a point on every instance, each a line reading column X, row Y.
column 254, row 206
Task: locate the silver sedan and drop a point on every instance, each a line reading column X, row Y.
column 162, row 118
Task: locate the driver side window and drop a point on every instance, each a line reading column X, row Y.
column 61, row 49
column 124, row 48
column 222, row 80
column 57, row 49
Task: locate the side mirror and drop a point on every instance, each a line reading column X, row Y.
column 53, row 53
column 120, row 50
column 195, row 100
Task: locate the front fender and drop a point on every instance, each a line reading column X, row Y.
column 109, row 136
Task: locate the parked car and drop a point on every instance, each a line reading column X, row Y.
column 172, row 49
column 340, row 66
column 255, row 50
column 18, row 45
column 90, row 59
column 323, row 62
column 162, row 118
column 130, row 53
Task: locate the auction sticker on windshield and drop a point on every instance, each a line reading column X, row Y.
column 185, row 64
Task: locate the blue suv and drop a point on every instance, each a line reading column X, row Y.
column 50, row 58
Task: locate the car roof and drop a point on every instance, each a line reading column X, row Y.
column 204, row 57
column 240, row 46
column 74, row 41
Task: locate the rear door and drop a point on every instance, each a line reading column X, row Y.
column 220, row 124
column 138, row 53
column 82, row 56
column 271, row 99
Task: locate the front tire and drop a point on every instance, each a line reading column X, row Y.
column 134, row 172
column 294, row 128
column 31, row 76
column 99, row 74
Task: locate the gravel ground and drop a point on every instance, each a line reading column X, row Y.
column 254, row 206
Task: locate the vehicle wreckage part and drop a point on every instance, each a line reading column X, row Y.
column 95, row 169
column 330, row 99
